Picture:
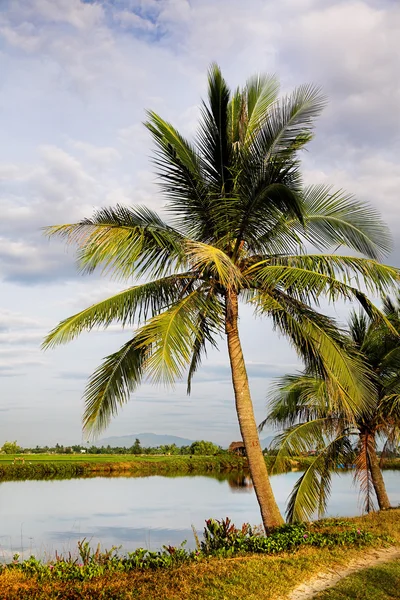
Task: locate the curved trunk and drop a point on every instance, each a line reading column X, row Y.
column 377, row 480
column 269, row 509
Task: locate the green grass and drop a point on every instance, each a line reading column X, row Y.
column 253, row 577
column 376, row 583
column 42, row 466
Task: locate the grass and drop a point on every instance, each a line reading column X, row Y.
column 42, row 466
column 253, row 577
column 377, row 583
column 45, row 466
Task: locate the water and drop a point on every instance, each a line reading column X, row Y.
column 45, row 516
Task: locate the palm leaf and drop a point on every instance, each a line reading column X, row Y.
column 137, row 302
column 311, row 492
column 126, row 241
column 111, row 384
column 323, row 348
column 333, row 218
column 204, row 257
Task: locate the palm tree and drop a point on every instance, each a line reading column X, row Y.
column 303, row 404
column 240, row 219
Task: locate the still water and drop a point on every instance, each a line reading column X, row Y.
column 44, row 516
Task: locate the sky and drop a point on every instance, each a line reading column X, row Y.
column 75, row 80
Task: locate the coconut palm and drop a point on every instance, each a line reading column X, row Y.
column 303, row 404
column 240, row 218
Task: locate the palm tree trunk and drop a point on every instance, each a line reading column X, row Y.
column 269, row 509
column 377, row 480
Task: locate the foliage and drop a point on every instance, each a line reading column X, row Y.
column 47, row 467
column 220, row 538
column 11, row 448
column 223, row 538
column 241, row 222
column 204, row 448
column 303, row 404
column 253, row 576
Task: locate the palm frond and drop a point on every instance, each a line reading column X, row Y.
column 290, row 123
column 204, row 257
column 323, row 348
column 209, row 324
column 213, row 140
column 170, row 337
column 260, row 93
column 136, row 303
column 311, row 492
column 333, row 218
column 126, row 241
column 296, row 398
column 309, row 269
column 111, row 384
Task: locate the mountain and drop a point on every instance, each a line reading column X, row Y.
column 266, row 441
column 146, row 440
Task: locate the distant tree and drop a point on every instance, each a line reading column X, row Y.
column 204, row 448
column 11, row 448
column 136, row 448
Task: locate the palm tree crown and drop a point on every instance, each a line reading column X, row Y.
column 239, row 220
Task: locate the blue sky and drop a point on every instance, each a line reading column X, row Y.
column 76, row 78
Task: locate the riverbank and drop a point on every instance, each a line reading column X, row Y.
column 45, row 466
column 243, row 576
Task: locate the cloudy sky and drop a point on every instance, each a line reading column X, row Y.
column 76, row 78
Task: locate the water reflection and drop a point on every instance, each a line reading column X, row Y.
column 240, row 482
column 44, row 516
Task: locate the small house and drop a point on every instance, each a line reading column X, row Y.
column 237, row 448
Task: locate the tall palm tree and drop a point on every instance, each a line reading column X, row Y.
column 240, row 219
column 303, row 404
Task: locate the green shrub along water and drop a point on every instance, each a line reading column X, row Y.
column 220, row 539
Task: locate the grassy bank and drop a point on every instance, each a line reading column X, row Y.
column 242, row 576
column 37, row 466
column 43, row 466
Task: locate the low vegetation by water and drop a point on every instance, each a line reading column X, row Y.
column 229, row 563
column 44, row 466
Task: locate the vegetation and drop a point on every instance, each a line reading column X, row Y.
column 41, row 466
column 377, row 583
column 291, row 555
column 241, row 222
column 10, row 448
column 303, row 404
column 200, row 447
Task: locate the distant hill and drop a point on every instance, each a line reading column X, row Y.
column 146, row 440
column 153, row 439
column 266, row 441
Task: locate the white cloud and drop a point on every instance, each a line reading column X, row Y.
column 77, row 78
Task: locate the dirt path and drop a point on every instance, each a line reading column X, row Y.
column 323, row 581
